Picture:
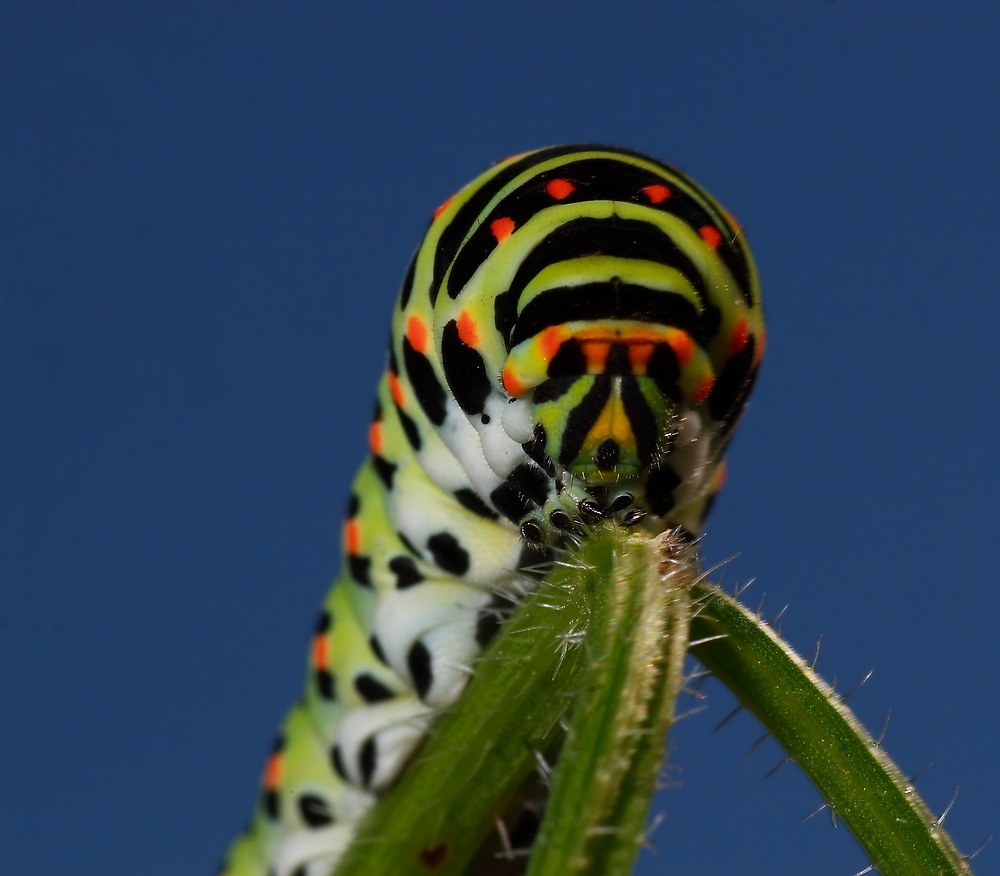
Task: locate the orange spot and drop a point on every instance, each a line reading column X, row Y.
column 352, row 536
column 511, row 383
column 375, row 437
column 738, row 339
column 596, row 354
column 682, row 345
column 638, row 355
column 416, row 333
column 758, row 350
column 502, row 228
column 719, row 478
column 321, row 655
column 396, row 389
column 272, row 772
column 549, row 342
column 710, row 235
column 443, row 207
column 656, row 193
column 704, row 388
column 468, row 330
column 559, row 188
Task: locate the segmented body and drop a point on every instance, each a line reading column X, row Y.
column 575, row 338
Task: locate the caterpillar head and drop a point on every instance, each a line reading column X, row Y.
column 607, row 398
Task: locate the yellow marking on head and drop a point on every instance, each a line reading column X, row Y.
column 613, row 422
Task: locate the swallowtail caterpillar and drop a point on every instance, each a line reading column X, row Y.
column 575, row 338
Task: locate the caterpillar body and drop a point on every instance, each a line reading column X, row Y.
column 575, row 338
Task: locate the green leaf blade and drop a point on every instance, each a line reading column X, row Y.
column 863, row 787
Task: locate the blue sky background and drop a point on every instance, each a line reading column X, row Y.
column 206, row 212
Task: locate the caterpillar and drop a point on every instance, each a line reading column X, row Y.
column 575, row 338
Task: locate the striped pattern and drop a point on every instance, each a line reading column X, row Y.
column 575, row 338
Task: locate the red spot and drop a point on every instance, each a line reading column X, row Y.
column 443, row 207
column 321, row 654
column 656, row 193
column 682, row 345
column 559, row 188
column 549, row 342
column 433, row 857
column 511, row 383
column 502, row 228
column 272, row 772
column 416, row 333
column 710, row 235
column 352, row 537
column 704, row 388
column 468, row 329
column 375, row 437
column 396, row 389
column 738, row 339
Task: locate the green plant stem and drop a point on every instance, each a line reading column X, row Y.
column 637, row 638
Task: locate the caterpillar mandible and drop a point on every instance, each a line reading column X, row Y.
column 575, row 338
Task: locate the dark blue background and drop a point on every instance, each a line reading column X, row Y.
column 206, row 212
